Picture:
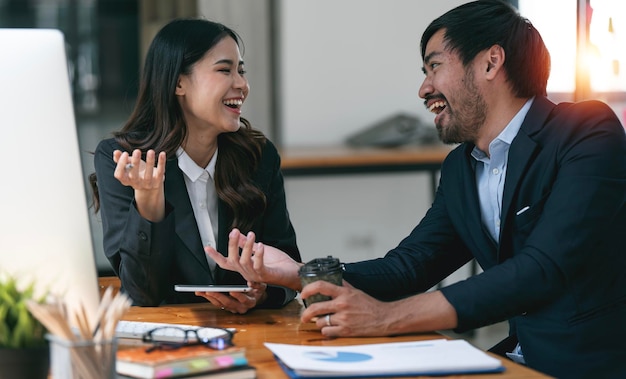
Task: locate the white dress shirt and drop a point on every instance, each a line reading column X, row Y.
column 201, row 190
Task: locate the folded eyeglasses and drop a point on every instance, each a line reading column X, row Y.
column 171, row 338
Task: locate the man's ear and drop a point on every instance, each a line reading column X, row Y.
column 494, row 60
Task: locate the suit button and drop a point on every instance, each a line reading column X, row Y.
column 143, row 236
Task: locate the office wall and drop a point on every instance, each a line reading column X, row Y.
column 345, row 64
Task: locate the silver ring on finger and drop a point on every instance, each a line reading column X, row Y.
column 328, row 323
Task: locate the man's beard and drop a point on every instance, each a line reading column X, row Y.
column 469, row 116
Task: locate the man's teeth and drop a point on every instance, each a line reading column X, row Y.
column 436, row 106
column 236, row 102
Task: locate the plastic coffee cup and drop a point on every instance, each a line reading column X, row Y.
column 329, row 269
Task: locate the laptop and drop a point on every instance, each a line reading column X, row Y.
column 45, row 234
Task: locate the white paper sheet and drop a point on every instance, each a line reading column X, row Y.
column 415, row 358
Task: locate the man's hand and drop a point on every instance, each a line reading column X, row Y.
column 352, row 313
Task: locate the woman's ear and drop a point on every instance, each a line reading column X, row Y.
column 180, row 91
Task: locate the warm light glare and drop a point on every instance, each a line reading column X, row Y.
column 556, row 22
column 607, row 46
column 604, row 58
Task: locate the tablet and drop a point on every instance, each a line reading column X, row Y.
column 211, row 288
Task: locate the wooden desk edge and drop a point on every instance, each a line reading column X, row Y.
column 254, row 329
column 294, row 158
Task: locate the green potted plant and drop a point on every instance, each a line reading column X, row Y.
column 23, row 347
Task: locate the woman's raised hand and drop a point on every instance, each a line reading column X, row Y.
column 146, row 179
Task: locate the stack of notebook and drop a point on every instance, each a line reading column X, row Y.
column 196, row 360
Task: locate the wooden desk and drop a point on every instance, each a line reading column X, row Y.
column 338, row 160
column 281, row 326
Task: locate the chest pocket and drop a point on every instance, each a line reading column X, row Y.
column 525, row 220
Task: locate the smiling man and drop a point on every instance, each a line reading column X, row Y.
column 535, row 192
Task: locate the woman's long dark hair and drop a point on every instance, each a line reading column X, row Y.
column 157, row 120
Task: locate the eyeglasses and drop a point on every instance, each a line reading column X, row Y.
column 173, row 338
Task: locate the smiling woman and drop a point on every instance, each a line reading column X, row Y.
column 221, row 174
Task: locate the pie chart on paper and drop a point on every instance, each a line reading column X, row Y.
column 339, row 356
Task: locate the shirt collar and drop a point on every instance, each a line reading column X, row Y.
column 510, row 131
column 191, row 169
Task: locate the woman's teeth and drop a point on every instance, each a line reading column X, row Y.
column 233, row 102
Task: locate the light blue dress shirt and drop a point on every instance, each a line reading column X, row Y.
column 491, row 172
column 490, row 176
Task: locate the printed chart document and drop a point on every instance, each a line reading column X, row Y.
column 430, row 357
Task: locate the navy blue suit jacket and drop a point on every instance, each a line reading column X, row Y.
column 150, row 258
column 559, row 272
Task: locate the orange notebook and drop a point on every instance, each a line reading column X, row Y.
column 189, row 360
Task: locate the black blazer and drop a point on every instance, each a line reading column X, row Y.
column 150, row 258
column 559, row 272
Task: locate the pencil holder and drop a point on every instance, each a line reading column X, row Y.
column 82, row 359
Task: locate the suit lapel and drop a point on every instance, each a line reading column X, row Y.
column 186, row 227
column 471, row 205
column 523, row 148
column 224, row 228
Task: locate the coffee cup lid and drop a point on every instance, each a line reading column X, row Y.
column 321, row 265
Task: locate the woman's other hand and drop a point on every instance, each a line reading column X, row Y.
column 238, row 302
column 257, row 262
